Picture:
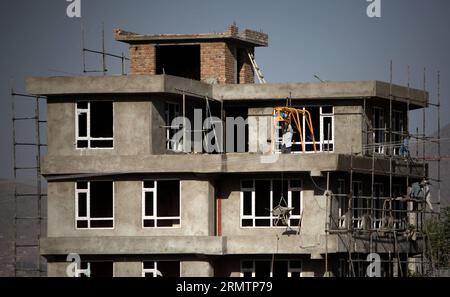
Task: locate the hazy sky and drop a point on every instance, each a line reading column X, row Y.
column 333, row 39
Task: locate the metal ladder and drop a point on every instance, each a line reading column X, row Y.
column 19, row 246
column 256, row 68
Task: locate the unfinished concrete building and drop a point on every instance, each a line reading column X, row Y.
column 132, row 201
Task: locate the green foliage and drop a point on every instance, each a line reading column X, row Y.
column 438, row 231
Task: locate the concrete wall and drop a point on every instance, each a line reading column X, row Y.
column 348, row 134
column 197, row 210
column 260, row 127
column 132, row 134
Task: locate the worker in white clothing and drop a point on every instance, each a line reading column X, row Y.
column 288, row 132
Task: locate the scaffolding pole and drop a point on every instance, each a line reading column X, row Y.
column 103, row 53
column 439, row 141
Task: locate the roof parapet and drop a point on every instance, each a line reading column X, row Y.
column 252, row 37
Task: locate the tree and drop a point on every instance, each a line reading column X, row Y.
column 438, row 231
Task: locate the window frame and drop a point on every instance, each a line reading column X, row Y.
column 176, row 147
column 155, row 217
column 271, row 218
column 88, row 137
column 253, row 269
column 88, row 208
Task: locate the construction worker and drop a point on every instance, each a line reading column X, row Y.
column 288, row 133
column 404, row 148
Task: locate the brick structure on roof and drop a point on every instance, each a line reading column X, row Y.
column 223, row 56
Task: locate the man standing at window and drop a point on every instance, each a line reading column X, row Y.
column 288, row 132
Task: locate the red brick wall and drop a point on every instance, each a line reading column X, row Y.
column 217, row 62
column 142, row 59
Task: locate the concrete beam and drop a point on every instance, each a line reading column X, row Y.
column 253, row 38
column 122, row 245
column 69, row 167
column 218, row 245
column 121, row 84
column 129, row 84
column 319, row 90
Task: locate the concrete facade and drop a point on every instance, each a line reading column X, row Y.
column 209, row 239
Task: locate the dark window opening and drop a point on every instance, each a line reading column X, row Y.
column 247, row 203
column 280, row 190
column 101, row 119
column 82, row 143
column 262, row 199
column 82, row 124
column 161, row 203
column 280, row 269
column 101, row 199
column 94, row 124
column 148, row 203
column 178, row 60
column 99, row 269
column 296, row 201
column 94, row 204
column 168, row 198
column 262, row 268
column 82, row 204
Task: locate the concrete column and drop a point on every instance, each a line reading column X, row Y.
column 197, row 269
column 127, row 269
column 260, row 125
column 57, row 269
column 197, row 207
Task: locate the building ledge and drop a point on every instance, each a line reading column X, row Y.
column 168, row 84
column 313, row 245
column 117, row 84
column 83, row 166
column 247, row 36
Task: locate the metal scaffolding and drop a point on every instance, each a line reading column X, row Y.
column 103, row 53
column 380, row 209
column 19, row 247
